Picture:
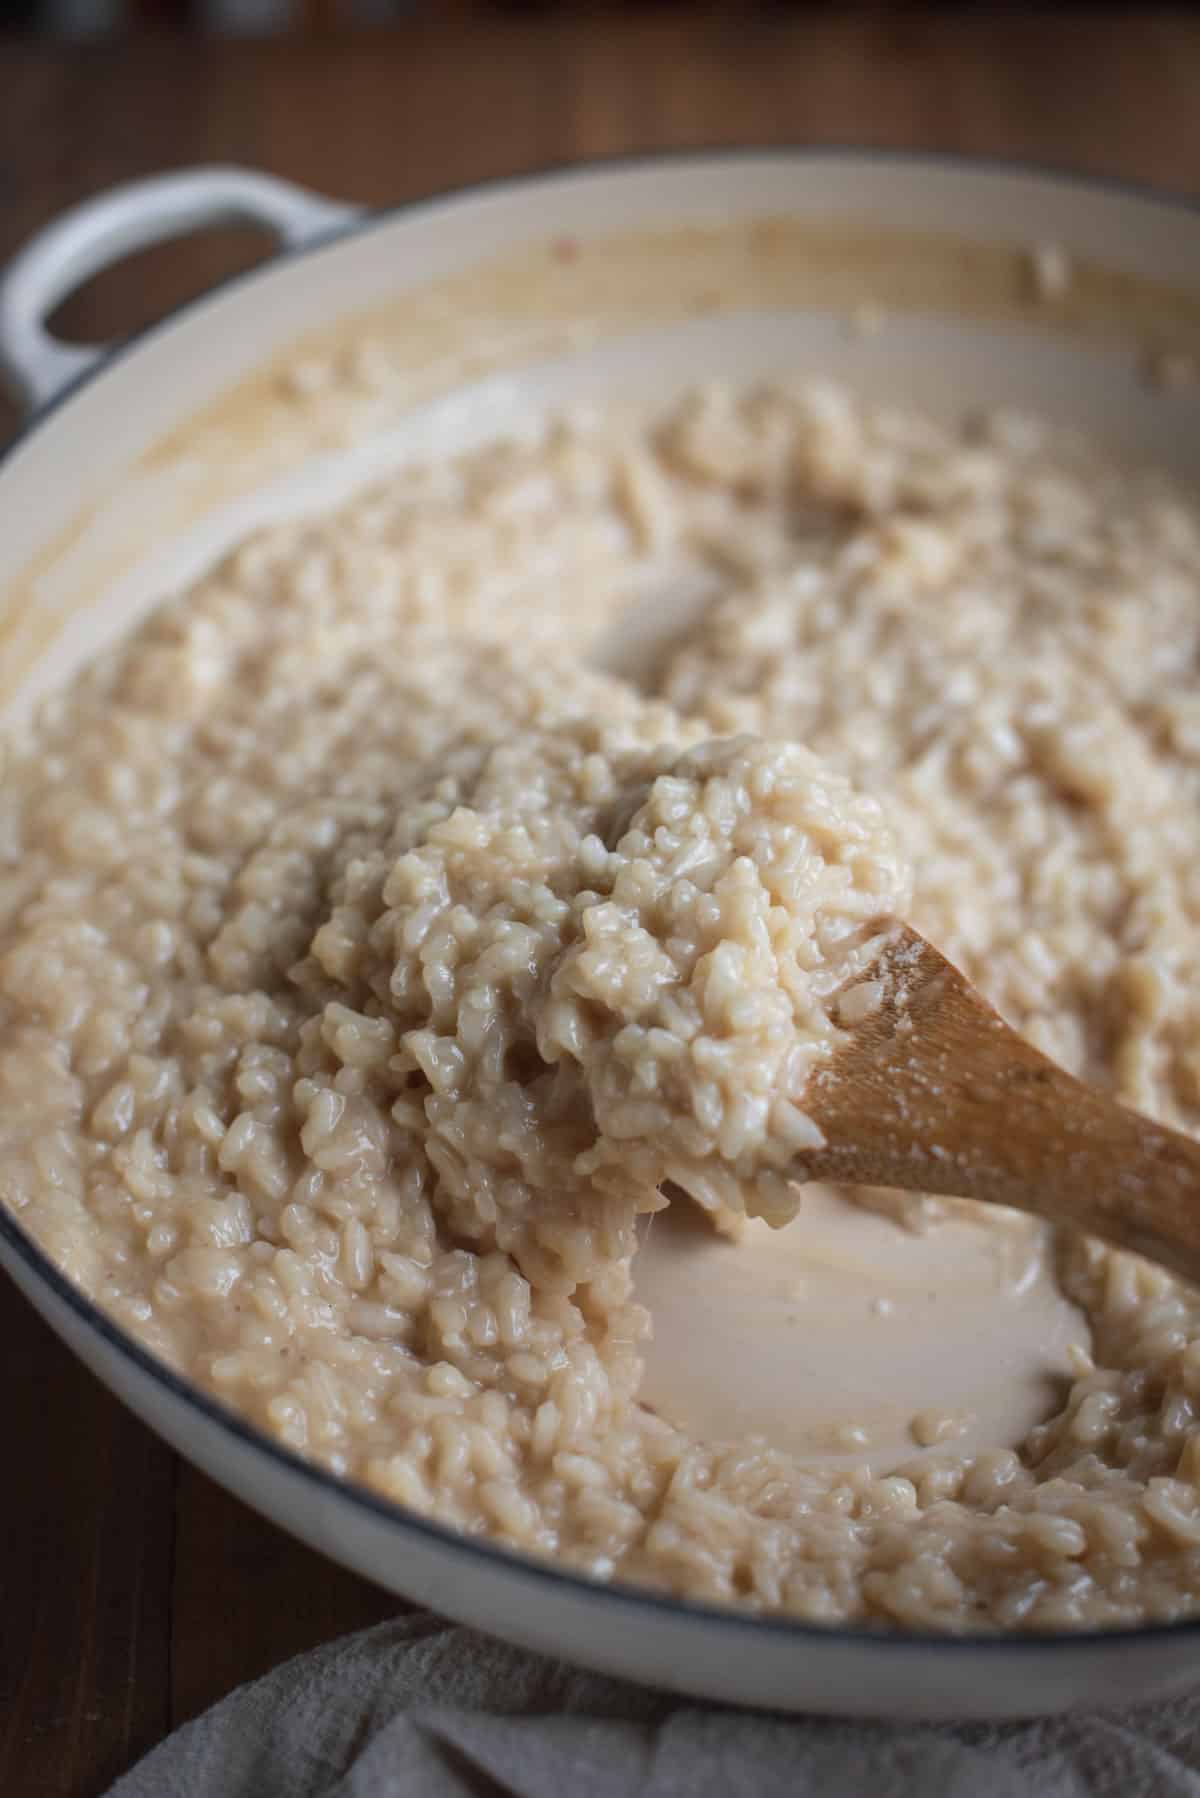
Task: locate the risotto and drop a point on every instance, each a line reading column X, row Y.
column 399, row 914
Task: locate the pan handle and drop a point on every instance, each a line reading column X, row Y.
column 38, row 366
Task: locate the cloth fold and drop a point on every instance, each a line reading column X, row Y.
column 420, row 1708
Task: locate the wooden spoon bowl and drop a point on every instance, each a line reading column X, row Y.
column 933, row 1092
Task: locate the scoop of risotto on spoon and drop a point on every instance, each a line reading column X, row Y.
column 688, row 967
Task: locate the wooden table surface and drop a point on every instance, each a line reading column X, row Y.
column 133, row 1592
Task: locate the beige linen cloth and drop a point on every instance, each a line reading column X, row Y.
column 420, row 1708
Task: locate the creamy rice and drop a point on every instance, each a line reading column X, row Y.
column 610, row 968
column 299, row 992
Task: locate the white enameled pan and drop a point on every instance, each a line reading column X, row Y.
column 370, row 339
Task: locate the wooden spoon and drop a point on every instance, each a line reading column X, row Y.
column 933, row 1092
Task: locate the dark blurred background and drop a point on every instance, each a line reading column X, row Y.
column 381, row 101
column 81, row 20
column 96, row 20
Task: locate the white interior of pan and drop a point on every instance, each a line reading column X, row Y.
column 1074, row 382
column 117, row 500
column 125, row 491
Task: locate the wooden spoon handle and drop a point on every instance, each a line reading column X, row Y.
column 934, row 1092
